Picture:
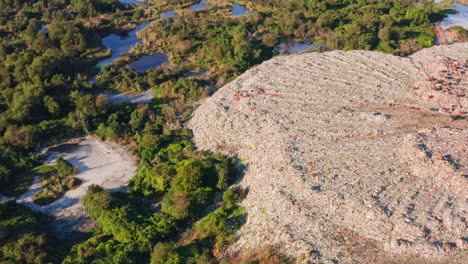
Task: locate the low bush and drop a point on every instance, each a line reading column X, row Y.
column 58, row 179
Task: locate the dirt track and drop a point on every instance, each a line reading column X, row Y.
column 351, row 156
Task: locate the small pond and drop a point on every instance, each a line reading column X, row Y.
column 133, row 2
column 168, row 14
column 44, row 29
column 458, row 19
column 149, row 62
column 238, row 10
column 119, row 44
column 200, row 6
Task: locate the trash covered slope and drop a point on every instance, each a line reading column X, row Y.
column 350, row 156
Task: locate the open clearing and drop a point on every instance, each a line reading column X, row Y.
column 102, row 163
column 351, row 157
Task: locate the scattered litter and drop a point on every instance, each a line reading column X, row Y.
column 446, row 85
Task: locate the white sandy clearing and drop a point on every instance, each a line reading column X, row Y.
column 138, row 98
column 102, row 163
column 350, row 156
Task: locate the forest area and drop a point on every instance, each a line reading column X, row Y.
column 49, row 51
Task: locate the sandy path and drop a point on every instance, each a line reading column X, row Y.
column 346, row 160
column 106, row 164
column 27, row 197
column 139, row 98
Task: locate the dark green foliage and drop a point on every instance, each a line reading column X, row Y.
column 185, row 178
column 222, row 223
column 22, row 237
column 128, row 225
column 232, row 197
column 97, row 199
column 5, row 175
column 165, row 253
column 191, row 189
column 112, row 129
column 208, row 236
column 64, row 168
column 176, row 176
column 221, row 44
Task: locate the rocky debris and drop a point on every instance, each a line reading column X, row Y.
column 346, row 161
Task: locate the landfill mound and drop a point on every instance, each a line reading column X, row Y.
column 351, row 156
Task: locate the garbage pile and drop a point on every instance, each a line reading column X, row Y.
column 345, row 161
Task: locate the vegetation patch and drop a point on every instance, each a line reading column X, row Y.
column 59, row 178
column 458, row 33
column 23, row 238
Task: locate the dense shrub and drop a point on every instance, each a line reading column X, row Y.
column 64, row 168
column 164, row 253
column 58, row 179
column 5, row 175
column 23, row 238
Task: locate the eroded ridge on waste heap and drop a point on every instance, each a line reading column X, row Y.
column 351, row 156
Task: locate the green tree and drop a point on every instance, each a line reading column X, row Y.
column 31, row 31
column 85, row 109
column 103, row 102
column 73, row 41
column 165, row 253
column 5, row 175
column 51, row 105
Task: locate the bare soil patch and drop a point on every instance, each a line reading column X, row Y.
column 102, row 163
